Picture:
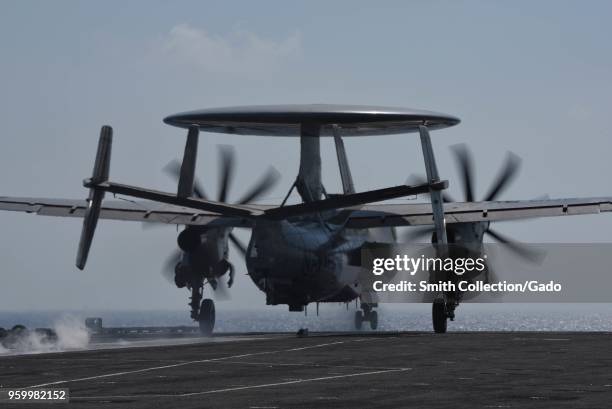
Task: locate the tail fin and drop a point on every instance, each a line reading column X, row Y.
column 187, row 175
column 100, row 174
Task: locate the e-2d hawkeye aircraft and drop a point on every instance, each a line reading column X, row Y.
column 307, row 252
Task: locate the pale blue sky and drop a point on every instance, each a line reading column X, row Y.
column 533, row 77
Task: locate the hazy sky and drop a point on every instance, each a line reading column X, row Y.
column 531, row 77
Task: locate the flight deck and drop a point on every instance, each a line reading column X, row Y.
column 340, row 370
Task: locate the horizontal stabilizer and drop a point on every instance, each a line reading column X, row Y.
column 354, row 199
column 195, row 203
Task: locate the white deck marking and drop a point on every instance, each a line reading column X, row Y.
column 305, row 364
column 155, row 368
column 239, row 388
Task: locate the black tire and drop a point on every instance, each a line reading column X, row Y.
column 373, row 320
column 358, row 319
column 438, row 314
column 207, row 317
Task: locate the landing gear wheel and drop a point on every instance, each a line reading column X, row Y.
column 373, row 319
column 438, row 313
column 358, row 319
column 206, row 318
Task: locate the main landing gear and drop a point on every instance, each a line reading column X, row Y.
column 204, row 312
column 368, row 314
column 441, row 311
column 207, row 317
column 438, row 315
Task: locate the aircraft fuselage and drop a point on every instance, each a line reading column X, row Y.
column 303, row 261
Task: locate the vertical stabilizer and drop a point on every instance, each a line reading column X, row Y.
column 100, row 174
column 345, row 172
column 187, row 174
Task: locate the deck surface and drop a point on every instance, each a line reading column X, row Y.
column 458, row 370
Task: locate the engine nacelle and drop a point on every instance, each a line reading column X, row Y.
column 189, row 240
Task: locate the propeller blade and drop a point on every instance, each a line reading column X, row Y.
column 520, row 249
column 169, row 265
column 509, row 172
column 420, row 180
column 231, row 273
column 466, row 169
column 415, row 180
column 417, row 233
column 239, row 245
column 220, row 289
column 173, row 169
column 492, row 277
column 198, row 190
column 226, row 170
column 488, row 277
column 265, row 184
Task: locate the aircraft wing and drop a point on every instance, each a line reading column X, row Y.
column 140, row 211
column 375, row 215
column 380, row 215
